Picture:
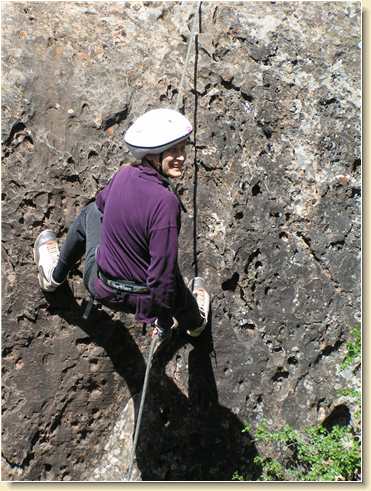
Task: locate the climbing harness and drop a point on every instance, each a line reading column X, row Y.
column 122, row 285
column 144, row 390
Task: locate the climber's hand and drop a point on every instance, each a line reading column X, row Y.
column 163, row 331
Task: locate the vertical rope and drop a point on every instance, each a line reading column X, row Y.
column 144, row 390
column 195, row 164
column 196, row 28
column 194, row 25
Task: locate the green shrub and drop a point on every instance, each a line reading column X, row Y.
column 353, row 347
column 316, row 453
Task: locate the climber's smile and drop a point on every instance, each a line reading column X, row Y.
column 173, row 160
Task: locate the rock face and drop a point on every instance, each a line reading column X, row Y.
column 272, row 223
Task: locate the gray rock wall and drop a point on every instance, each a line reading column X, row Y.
column 272, row 223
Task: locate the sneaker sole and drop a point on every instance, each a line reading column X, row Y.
column 40, row 275
column 197, row 332
column 195, row 284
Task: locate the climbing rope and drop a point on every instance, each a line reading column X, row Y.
column 192, row 36
column 144, row 390
column 155, row 338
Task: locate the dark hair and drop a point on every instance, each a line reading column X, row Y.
column 139, row 162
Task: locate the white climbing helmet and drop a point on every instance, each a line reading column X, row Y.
column 156, row 131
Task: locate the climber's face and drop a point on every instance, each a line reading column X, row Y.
column 173, row 160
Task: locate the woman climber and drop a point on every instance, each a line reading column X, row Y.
column 129, row 235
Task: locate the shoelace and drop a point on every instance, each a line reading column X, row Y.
column 52, row 248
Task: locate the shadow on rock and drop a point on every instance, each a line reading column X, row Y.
column 182, row 438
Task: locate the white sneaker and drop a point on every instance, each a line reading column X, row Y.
column 46, row 255
column 203, row 301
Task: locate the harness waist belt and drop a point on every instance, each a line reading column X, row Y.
column 122, row 285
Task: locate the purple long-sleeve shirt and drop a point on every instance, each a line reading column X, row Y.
column 139, row 237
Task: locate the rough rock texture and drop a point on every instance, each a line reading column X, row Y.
column 272, row 223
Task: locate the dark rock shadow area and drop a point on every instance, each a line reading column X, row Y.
column 182, row 438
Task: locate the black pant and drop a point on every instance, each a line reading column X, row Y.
column 83, row 238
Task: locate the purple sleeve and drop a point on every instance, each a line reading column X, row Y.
column 163, row 249
column 101, row 197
